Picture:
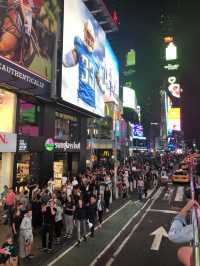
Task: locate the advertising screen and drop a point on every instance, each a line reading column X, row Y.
column 136, row 130
column 90, row 74
column 129, row 98
column 27, row 38
column 173, row 119
column 171, row 52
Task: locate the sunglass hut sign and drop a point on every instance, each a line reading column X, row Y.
column 50, row 145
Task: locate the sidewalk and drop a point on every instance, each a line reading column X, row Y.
column 42, row 257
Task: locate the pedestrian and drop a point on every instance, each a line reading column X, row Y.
column 10, row 200
column 146, row 186
column 100, row 209
column 26, row 236
column 107, row 195
column 140, row 187
column 24, row 200
column 8, row 253
column 48, row 218
column 58, row 221
column 124, row 190
column 80, row 221
column 92, row 214
column 69, row 209
column 16, row 222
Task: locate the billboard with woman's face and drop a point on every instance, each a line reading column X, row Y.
column 27, row 39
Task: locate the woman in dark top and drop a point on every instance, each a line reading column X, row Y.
column 16, row 222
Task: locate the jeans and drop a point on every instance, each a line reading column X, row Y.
column 80, row 223
column 69, row 224
column 180, row 232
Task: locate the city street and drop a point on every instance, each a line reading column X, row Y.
column 136, row 233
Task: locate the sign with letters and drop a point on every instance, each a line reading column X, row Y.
column 8, row 142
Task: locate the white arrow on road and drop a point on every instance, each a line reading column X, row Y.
column 158, row 233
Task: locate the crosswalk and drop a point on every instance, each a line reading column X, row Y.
column 179, row 194
column 174, row 195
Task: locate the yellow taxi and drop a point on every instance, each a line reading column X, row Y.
column 184, row 166
column 180, row 176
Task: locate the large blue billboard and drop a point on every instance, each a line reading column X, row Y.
column 90, row 73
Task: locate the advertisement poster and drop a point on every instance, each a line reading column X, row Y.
column 136, row 130
column 173, row 119
column 129, row 98
column 90, row 70
column 27, row 38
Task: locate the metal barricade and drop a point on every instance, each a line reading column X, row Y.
column 194, row 218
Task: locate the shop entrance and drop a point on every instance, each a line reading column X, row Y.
column 28, row 170
column 65, row 166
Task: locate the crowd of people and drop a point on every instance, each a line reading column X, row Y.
column 75, row 209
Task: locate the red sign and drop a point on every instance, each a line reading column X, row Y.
column 3, row 139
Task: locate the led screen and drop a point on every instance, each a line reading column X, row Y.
column 129, row 98
column 90, row 73
column 28, row 36
column 171, row 52
column 173, row 119
column 136, row 130
column 27, row 112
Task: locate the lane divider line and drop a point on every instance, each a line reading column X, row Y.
column 120, row 232
column 107, row 219
column 163, row 211
column 74, row 245
column 116, row 253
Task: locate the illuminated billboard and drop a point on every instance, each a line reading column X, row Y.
column 27, row 38
column 90, row 74
column 174, row 119
column 171, row 51
column 130, row 58
column 137, row 131
column 129, row 98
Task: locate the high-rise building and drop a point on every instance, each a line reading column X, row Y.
column 170, row 130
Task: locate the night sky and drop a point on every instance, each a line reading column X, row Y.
column 140, row 29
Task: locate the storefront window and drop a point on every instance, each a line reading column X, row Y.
column 28, row 169
column 28, row 120
column 66, row 127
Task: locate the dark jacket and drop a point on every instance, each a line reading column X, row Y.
column 80, row 214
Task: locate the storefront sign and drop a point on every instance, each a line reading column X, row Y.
column 23, row 145
column 8, row 142
column 51, row 145
column 67, row 146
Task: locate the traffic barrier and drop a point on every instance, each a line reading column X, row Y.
column 194, row 219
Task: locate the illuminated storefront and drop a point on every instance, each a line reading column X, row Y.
column 7, row 136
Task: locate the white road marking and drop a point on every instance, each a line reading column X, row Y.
column 120, row 232
column 159, row 234
column 74, row 245
column 179, row 194
column 107, row 219
column 110, row 262
column 169, row 193
column 116, row 253
column 163, row 211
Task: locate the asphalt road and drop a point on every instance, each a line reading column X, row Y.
column 135, row 235
column 147, row 242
